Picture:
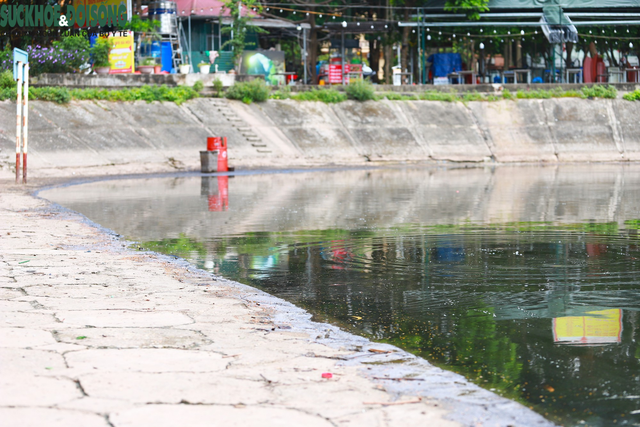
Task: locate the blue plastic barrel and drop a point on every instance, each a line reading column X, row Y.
column 155, row 49
column 167, row 63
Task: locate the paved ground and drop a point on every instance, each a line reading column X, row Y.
column 95, row 334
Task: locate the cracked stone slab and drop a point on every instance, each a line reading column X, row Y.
column 168, row 387
column 134, row 337
column 29, row 361
column 15, row 306
column 14, row 318
column 29, row 390
column 7, row 294
column 24, row 337
column 205, row 416
column 123, row 318
column 147, row 360
column 35, row 417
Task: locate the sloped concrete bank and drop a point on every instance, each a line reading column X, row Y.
column 286, row 132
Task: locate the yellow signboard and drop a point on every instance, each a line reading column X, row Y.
column 599, row 327
column 121, row 55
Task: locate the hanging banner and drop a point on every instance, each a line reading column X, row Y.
column 121, row 56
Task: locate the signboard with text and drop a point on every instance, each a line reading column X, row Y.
column 121, row 56
column 335, row 73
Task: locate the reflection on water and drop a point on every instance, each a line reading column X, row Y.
column 523, row 279
column 599, row 327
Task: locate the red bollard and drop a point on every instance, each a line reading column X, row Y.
column 219, row 143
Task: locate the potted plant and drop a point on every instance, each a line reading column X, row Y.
column 204, row 67
column 100, row 52
column 185, row 68
column 147, row 66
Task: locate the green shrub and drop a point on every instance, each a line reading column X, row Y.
column 632, row 96
column 283, row 93
column 252, row 91
column 360, row 90
column 548, row 94
column 473, row 96
column 433, row 95
column 394, row 96
column 506, row 94
column 328, row 96
column 6, row 80
column 7, row 93
column 217, row 86
column 62, row 95
column 198, row 86
column 75, row 53
column 59, row 95
column 100, row 52
column 599, row 91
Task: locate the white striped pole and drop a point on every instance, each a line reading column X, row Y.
column 18, row 121
column 25, row 130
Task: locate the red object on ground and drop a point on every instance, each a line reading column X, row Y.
column 219, row 143
column 327, row 375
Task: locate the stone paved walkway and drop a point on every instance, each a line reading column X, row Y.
column 95, row 334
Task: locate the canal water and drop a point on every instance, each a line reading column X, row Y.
column 524, row 279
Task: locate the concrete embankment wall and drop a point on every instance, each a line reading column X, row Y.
column 286, row 132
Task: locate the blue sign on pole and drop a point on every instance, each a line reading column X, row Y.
column 19, row 55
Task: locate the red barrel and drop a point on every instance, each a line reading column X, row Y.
column 219, row 143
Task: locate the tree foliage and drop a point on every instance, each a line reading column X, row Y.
column 241, row 25
column 471, row 8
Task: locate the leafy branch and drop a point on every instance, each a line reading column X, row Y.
column 240, row 25
column 471, row 8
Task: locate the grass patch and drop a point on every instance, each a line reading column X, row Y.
column 393, row 96
column 361, row 90
column 473, row 96
column 198, row 86
column 63, row 95
column 218, row 87
column 328, row 96
column 281, row 93
column 632, row 96
column 599, row 91
column 248, row 92
column 178, row 94
column 548, row 94
column 433, row 95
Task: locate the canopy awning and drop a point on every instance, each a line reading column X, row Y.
column 557, row 26
column 539, row 4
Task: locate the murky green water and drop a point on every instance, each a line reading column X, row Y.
column 524, row 279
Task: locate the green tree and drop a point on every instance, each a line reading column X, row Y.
column 241, row 14
column 471, row 8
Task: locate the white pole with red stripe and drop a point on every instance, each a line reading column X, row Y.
column 18, row 121
column 25, row 129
